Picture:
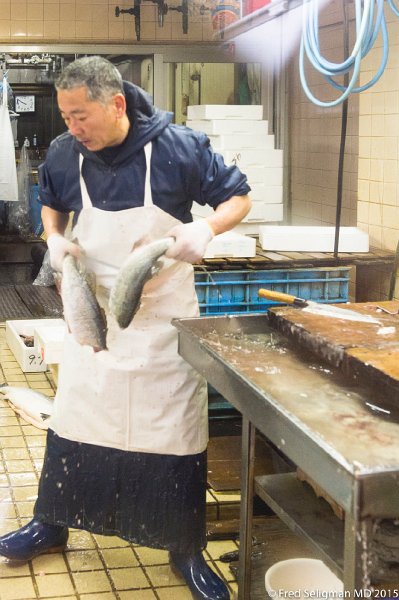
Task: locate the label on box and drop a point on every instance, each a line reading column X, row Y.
column 34, row 359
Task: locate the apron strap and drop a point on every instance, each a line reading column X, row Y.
column 5, row 92
column 87, row 203
column 147, row 185
column 83, row 189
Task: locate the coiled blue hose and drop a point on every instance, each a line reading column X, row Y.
column 370, row 21
column 394, row 8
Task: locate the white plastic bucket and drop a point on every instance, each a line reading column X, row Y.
column 302, row 578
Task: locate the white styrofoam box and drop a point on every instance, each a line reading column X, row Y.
column 225, row 111
column 231, row 244
column 312, row 238
column 29, row 358
column 264, row 175
column 238, row 141
column 219, row 126
column 246, row 227
column 197, row 210
column 264, row 212
column 50, row 341
column 250, row 228
column 270, row 194
column 252, row 158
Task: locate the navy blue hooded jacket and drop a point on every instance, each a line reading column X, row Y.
column 184, row 168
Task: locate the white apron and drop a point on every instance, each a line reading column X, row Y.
column 8, row 169
column 138, row 395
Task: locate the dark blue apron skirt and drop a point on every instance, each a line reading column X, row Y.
column 149, row 499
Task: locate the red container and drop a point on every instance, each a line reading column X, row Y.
column 224, row 13
column 249, row 6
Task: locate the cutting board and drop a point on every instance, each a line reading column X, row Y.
column 367, row 352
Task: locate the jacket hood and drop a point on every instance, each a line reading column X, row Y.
column 146, row 121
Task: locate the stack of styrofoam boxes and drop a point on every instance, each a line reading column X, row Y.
column 240, row 135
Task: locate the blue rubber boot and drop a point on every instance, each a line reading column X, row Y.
column 33, row 539
column 204, row 584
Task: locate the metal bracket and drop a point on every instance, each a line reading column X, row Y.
column 164, row 8
column 136, row 12
column 183, row 9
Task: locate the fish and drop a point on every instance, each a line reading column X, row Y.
column 137, row 269
column 32, row 406
column 83, row 315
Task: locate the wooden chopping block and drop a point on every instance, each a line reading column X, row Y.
column 365, row 352
column 320, row 493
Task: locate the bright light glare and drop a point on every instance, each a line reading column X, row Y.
column 275, row 42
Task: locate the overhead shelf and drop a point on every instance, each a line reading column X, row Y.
column 264, row 14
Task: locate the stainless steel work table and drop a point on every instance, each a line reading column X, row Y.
column 327, row 425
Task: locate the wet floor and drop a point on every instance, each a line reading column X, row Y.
column 93, row 567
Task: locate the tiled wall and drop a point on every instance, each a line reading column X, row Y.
column 314, row 140
column 371, row 182
column 83, row 20
column 378, row 189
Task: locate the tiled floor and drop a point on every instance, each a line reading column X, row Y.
column 92, row 567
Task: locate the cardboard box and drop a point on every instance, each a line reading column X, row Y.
column 29, row 358
column 312, row 238
column 225, row 111
column 50, row 341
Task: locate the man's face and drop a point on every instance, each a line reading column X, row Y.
column 93, row 124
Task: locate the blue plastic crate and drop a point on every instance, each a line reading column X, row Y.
column 236, row 292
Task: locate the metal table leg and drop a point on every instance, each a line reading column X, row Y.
column 246, row 509
column 357, row 536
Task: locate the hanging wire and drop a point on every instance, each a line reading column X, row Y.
column 369, row 22
column 344, row 126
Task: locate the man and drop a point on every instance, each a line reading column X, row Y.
column 126, row 446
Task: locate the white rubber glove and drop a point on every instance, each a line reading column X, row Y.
column 191, row 240
column 58, row 247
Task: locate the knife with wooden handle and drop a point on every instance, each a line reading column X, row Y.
column 316, row 307
column 282, row 297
